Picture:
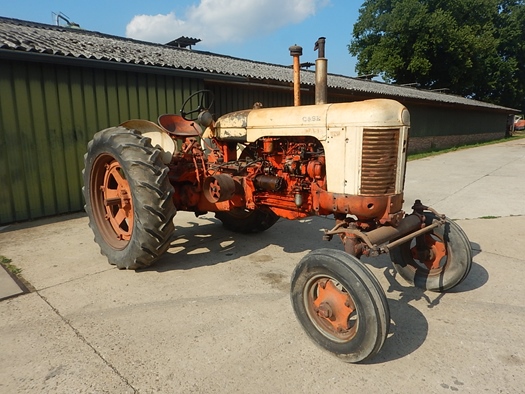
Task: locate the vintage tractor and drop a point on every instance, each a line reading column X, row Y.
column 255, row 166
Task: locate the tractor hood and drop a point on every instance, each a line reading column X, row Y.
column 310, row 120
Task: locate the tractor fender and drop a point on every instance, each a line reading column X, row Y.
column 159, row 136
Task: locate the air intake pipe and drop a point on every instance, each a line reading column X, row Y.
column 296, row 51
column 321, row 72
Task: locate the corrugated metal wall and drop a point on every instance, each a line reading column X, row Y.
column 48, row 113
column 432, row 119
column 235, row 97
column 444, row 121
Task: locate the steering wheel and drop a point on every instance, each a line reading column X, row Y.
column 205, row 100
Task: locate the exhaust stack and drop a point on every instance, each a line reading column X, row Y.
column 321, row 72
column 296, row 51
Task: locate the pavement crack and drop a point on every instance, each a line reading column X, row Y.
column 475, row 180
column 76, row 279
column 501, row 255
column 86, row 342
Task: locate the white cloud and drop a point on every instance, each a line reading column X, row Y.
column 220, row 21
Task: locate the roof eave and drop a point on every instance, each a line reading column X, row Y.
column 39, row 57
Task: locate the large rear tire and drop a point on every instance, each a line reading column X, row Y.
column 444, row 262
column 245, row 221
column 340, row 304
column 128, row 197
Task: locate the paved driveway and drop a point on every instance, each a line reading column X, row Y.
column 214, row 314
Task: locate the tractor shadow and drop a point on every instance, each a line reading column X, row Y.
column 204, row 241
column 408, row 324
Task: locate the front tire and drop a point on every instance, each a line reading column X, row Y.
column 444, row 264
column 340, row 304
column 128, row 198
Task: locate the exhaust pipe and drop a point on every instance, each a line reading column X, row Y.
column 321, row 72
column 296, row 51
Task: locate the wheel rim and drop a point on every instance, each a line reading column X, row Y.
column 214, row 191
column 331, row 308
column 434, row 255
column 112, row 202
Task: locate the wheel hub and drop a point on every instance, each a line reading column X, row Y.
column 117, row 201
column 431, row 253
column 333, row 307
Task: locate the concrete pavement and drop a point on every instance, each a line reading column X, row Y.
column 214, row 314
column 9, row 286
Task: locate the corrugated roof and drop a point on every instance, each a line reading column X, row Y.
column 19, row 35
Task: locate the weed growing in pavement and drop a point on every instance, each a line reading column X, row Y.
column 10, row 267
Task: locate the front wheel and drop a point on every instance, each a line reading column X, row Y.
column 340, row 304
column 128, row 197
column 436, row 261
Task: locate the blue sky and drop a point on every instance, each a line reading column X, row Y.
column 261, row 30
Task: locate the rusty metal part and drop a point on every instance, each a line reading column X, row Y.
column 268, row 145
column 352, row 244
column 384, row 234
column 268, row 182
column 429, row 250
column 218, row 188
column 364, row 207
column 117, row 200
column 296, row 52
column 419, row 208
column 319, row 46
column 332, row 308
column 379, row 161
column 316, row 169
column 321, row 73
column 113, row 205
column 410, row 225
column 177, row 126
column 410, row 236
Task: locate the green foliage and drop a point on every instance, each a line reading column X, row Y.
column 10, row 267
column 475, row 48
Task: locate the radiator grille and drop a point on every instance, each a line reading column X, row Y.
column 379, row 161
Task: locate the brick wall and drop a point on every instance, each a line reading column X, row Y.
column 423, row 144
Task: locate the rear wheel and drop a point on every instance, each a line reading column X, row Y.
column 436, row 261
column 241, row 220
column 128, row 197
column 340, row 304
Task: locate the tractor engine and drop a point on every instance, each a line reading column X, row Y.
column 280, row 173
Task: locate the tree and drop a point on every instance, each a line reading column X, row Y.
column 475, row 48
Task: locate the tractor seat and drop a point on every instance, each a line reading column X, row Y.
column 177, row 126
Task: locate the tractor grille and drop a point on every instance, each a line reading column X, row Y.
column 379, row 162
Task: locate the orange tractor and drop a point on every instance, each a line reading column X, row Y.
column 255, row 166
